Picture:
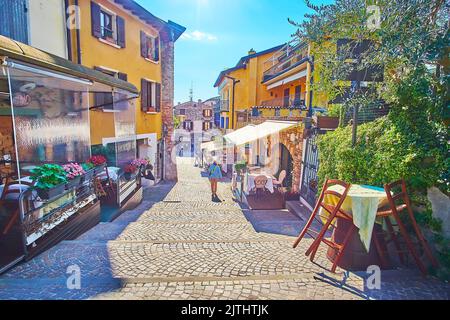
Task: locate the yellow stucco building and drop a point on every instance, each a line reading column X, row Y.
column 124, row 40
column 275, row 83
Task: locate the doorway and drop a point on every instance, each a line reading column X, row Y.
column 287, row 164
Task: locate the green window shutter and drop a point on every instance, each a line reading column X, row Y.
column 121, row 32
column 95, row 20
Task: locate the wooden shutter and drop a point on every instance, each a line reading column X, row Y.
column 122, row 76
column 120, row 31
column 157, row 49
column 144, row 95
column 158, row 97
column 95, row 20
column 144, row 44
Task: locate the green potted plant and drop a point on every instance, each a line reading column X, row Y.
column 240, row 168
column 50, row 180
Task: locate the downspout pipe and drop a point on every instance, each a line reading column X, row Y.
column 78, row 39
column 68, row 33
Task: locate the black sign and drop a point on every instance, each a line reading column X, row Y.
column 351, row 52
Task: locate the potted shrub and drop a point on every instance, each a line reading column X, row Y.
column 74, row 173
column 99, row 163
column 240, row 168
column 140, row 164
column 129, row 171
column 50, row 180
column 89, row 170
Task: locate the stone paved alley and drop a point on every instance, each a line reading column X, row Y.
column 179, row 245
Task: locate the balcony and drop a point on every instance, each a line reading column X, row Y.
column 224, row 105
column 293, row 102
column 288, row 57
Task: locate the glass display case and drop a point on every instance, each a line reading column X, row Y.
column 45, row 146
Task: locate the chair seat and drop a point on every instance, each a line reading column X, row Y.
column 384, row 212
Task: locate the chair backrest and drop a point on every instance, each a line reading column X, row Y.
column 397, row 194
column 12, row 190
column 260, row 182
column 340, row 194
column 282, row 176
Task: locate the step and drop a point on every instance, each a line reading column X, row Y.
column 216, row 260
column 297, row 208
column 189, row 232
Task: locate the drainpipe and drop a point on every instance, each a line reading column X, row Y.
column 311, row 82
column 78, row 39
column 235, row 82
column 68, row 33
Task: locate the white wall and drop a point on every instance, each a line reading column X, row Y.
column 47, row 26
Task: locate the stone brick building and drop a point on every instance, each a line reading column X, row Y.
column 196, row 126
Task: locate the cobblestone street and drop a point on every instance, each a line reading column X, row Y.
column 179, row 245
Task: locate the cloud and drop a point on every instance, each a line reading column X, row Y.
column 198, row 36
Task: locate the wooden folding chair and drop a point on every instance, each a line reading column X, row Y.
column 260, row 184
column 333, row 212
column 5, row 199
column 398, row 203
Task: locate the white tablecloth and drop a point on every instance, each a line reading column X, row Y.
column 363, row 203
column 251, row 182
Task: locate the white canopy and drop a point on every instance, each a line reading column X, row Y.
column 212, row 146
column 252, row 133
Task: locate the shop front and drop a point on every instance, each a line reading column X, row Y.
column 51, row 182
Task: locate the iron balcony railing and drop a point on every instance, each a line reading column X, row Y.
column 284, row 59
column 292, row 101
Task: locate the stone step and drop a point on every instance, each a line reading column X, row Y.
column 188, row 232
column 298, row 209
column 216, row 260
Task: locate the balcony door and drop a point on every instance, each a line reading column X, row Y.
column 298, row 96
column 286, row 98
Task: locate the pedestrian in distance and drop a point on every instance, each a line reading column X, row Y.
column 215, row 174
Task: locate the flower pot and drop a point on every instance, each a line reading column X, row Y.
column 99, row 169
column 46, row 194
column 88, row 176
column 127, row 176
column 74, row 183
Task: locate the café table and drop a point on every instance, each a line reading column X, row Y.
column 363, row 203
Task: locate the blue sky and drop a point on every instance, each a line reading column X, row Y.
column 219, row 32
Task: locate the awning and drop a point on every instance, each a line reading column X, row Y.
column 212, row 146
column 284, row 81
column 24, row 53
column 252, row 133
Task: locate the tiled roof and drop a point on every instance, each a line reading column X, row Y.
column 154, row 21
column 242, row 63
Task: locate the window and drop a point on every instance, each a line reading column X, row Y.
column 207, row 126
column 150, row 96
column 182, row 112
column 207, row 113
column 107, row 26
column 277, row 112
column 149, row 47
column 105, row 100
column 188, row 125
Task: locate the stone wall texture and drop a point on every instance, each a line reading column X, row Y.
column 167, row 102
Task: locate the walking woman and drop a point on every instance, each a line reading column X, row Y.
column 215, row 173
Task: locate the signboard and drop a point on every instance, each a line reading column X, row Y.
column 351, row 52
